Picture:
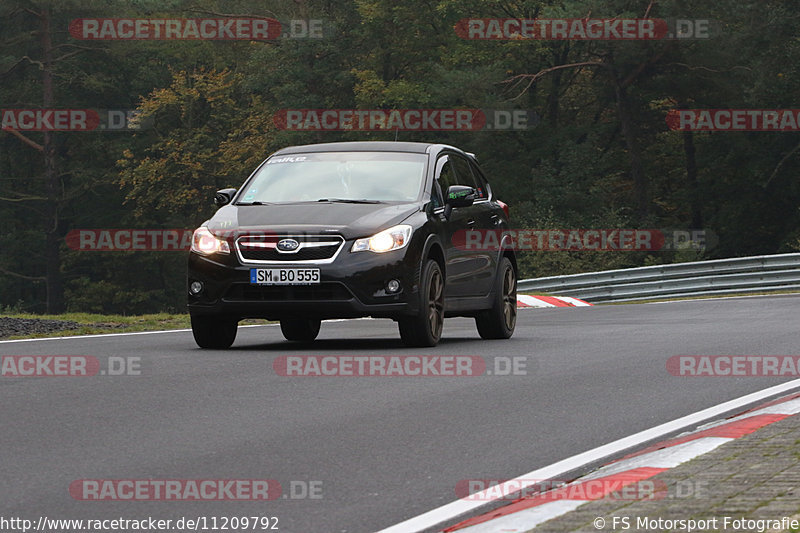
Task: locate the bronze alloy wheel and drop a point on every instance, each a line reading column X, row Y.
column 425, row 329
column 510, row 298
column 499, row 321
column 436, row 304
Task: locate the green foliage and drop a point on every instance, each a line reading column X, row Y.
column 185, row 159
column 601, row 155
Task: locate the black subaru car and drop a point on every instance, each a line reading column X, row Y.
column 355, row 229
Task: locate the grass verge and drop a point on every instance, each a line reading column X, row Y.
column 92, row 324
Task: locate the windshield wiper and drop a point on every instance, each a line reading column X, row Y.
column 251, row 203
column 350, row 201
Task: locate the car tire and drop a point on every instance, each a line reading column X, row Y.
column 214, row 332
column 425, row 329
column 300, row 329
column 499, row 321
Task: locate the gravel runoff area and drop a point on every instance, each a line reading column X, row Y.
column 28, row 326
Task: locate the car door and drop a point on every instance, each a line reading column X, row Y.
column 460, row 263
column 482, row 261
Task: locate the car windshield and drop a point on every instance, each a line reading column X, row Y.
column 338, row 177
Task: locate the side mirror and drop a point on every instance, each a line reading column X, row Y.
column 224, row 197
column 458, row 196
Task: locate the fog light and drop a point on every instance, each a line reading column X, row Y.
column 392, row 286
column 196, row 287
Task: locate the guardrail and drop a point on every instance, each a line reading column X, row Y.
column 720, row 276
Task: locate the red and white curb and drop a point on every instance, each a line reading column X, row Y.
column 527, row 513
column 528, row 300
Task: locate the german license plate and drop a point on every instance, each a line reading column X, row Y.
column 284, row 276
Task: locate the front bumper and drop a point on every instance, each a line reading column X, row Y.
column 352, row 286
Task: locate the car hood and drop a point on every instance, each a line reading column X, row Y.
column 349, row 220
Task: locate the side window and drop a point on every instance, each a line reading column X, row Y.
column 436, row 195
column 483, row 185
column 463, row 172
column 445, row 174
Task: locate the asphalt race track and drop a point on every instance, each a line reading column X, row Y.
column 378, row 449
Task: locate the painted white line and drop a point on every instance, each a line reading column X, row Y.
column 792, row 407
column 459, row 507
column 526, row 519
column 664, row 458
column 719, row 298
column 98, row 335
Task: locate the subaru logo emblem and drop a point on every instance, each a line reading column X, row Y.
column 288, row 245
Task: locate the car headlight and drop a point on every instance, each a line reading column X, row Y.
column 387, row 240
column 204, row 242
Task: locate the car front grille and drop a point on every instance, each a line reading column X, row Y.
column 311, row 248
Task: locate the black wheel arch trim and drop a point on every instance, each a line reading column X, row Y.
column 430, row 242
